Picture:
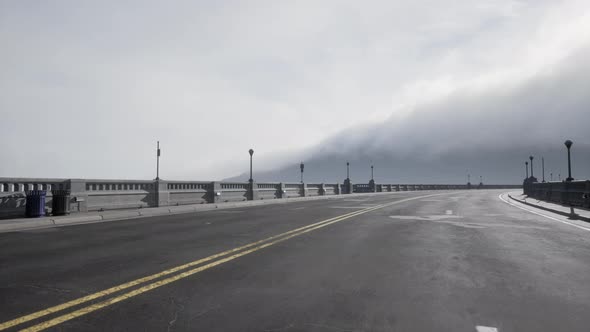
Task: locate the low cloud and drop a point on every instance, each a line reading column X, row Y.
column 481, row 131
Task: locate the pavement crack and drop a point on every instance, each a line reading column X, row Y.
column 177, row 308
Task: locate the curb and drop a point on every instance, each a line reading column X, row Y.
column 573, row 216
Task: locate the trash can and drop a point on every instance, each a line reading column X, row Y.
column 35, row 204
column 60, row 204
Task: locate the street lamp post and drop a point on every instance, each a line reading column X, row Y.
column 158, row 162
column 531, row 158
column 372, row 178
column 347, row 170
column 301, row 166
column 526, row 166
column 569, row 144
column 543, row 167
column 551, row 176
column 251, row 153
column 347, row 182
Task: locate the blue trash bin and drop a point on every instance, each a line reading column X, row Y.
column 35, row 206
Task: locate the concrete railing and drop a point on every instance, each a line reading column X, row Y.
column 98, row 195
column 575, row 193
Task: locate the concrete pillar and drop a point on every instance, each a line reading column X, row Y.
column 78, row 195
column 348, row 186
column 282, row 191
column 372, row 186
column 214, row 192
column 162, row 193
column 322, row 191
column 252, row 191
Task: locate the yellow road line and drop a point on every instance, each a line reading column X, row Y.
column 148, row 287
column 257, row 246
column 139, row 281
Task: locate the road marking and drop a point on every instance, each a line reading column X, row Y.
column 448, row 219
column 237, row 252
column 486, row 329
column 136, row 282
column 427, row 218
column 299, row 208
column 449, row 212
column 540, row 214
column 148, row 287
column 347, row 207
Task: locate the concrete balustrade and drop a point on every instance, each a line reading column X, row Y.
column 97, row 195
column 575, row 193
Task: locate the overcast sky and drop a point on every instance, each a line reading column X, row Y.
column 88, row 87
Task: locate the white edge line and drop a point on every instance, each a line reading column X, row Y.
column 540, row 214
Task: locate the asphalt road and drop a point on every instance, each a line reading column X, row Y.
column 414, row 261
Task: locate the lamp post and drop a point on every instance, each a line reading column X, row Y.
column 543, row 167
column 569, row 144
column 347, row 170
column 158, row 162
column 251, row 153
column 531, row 158
column 526, row 165
column 301, row 166
column 551, row 176
column 372, row 178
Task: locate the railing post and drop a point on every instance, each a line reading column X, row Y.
column 348, row 186
column 372, row 186
column 252, row 191
column 214, row 192
column 322, row 191
column 303, row 190
column 565, row 191
column 78, row 194
column 282, row 191
column 162, row 193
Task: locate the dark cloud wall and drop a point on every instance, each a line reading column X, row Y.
column 487, row 131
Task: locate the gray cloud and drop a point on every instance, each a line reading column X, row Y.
column 488, row 132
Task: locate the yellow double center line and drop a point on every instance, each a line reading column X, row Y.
column 231, row 255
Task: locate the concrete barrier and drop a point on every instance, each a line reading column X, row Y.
column 88, row 195
column 574, row 193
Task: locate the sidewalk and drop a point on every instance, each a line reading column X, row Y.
column 22, row 224
column 575, row 213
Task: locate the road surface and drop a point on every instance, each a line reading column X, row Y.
column 412, row 261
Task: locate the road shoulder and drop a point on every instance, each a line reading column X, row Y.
column 548, row 210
